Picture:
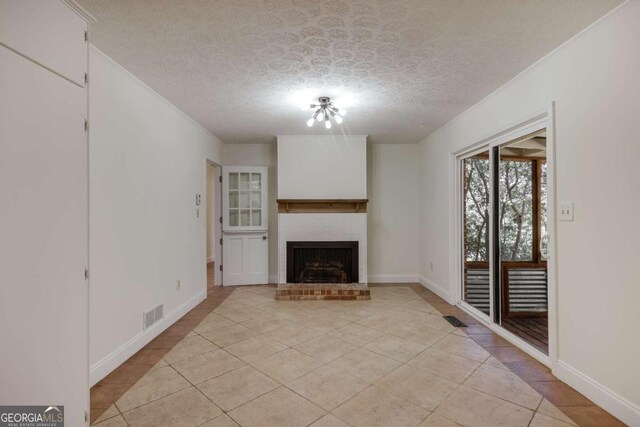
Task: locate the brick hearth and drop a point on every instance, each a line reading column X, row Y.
column 323, row 291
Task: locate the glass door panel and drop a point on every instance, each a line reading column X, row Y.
column 516, row 209
column 234, row 217
column 256, row 181
column 244, row 181
column 245, row 218
column 256, row 217
column 521, row 215
column 256, row 200
column 244, row 198
column 476, row 181
column 233, row 181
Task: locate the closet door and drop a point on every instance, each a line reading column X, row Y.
column 47, row 32
column 43, row 239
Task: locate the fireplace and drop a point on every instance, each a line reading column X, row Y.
column 322, row 262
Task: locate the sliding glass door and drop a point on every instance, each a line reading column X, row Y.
column 521, row 230
column 504, row 223
column 476, row 184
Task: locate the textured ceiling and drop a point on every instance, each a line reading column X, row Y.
column 402, row 67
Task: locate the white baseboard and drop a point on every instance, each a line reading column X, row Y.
column 210, row 259
column 620, row 407
column 393, row 278
column 105, row 366
column 435, row 288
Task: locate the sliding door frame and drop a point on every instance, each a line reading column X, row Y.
column 544, row 119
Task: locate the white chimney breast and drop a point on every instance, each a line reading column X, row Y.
column 322, row 167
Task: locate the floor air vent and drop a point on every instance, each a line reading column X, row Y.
column 152, row 316
column 455, row 321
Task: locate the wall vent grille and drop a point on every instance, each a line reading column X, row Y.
column 152, row 316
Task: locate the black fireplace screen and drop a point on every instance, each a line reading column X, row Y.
column 322, row 262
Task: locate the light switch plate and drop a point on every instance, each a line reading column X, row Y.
column 566, row 211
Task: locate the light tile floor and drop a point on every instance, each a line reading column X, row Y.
column 390, row 361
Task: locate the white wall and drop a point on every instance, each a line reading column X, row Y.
column 261, row 155
column 393, row 180
column 594, row 81
column 147, row 163
column 322, row 167
column 434, row 218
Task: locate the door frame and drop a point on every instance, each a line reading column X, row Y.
column 541, row 119
column 217, row 206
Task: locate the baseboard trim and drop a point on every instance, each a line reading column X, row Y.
column 116, row 358
column 392, row 278
column 435, row 288
column 617, row 405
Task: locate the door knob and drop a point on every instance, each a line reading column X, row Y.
column 264, row 237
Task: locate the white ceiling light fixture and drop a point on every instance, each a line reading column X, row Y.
column 324, row 111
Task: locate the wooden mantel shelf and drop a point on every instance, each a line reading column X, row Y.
column 322, row 205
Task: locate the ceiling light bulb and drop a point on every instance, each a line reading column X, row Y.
column 310, row 122
column 327, row 124
column 338, row 119
column 321, row 116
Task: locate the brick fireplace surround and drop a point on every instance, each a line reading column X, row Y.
column 322, row 221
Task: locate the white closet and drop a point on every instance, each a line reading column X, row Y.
column 43, row 206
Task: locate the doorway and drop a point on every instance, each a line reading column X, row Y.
column 214, row 227
column 504, row 255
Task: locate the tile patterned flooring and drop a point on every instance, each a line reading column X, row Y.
column 242, row 358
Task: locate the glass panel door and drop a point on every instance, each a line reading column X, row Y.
column 476, row 179
column 504, row 232
column 521, row 215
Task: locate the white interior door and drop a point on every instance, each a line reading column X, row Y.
column 245, row 246
column 43, row 243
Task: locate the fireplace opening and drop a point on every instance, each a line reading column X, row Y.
column 322, row 262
